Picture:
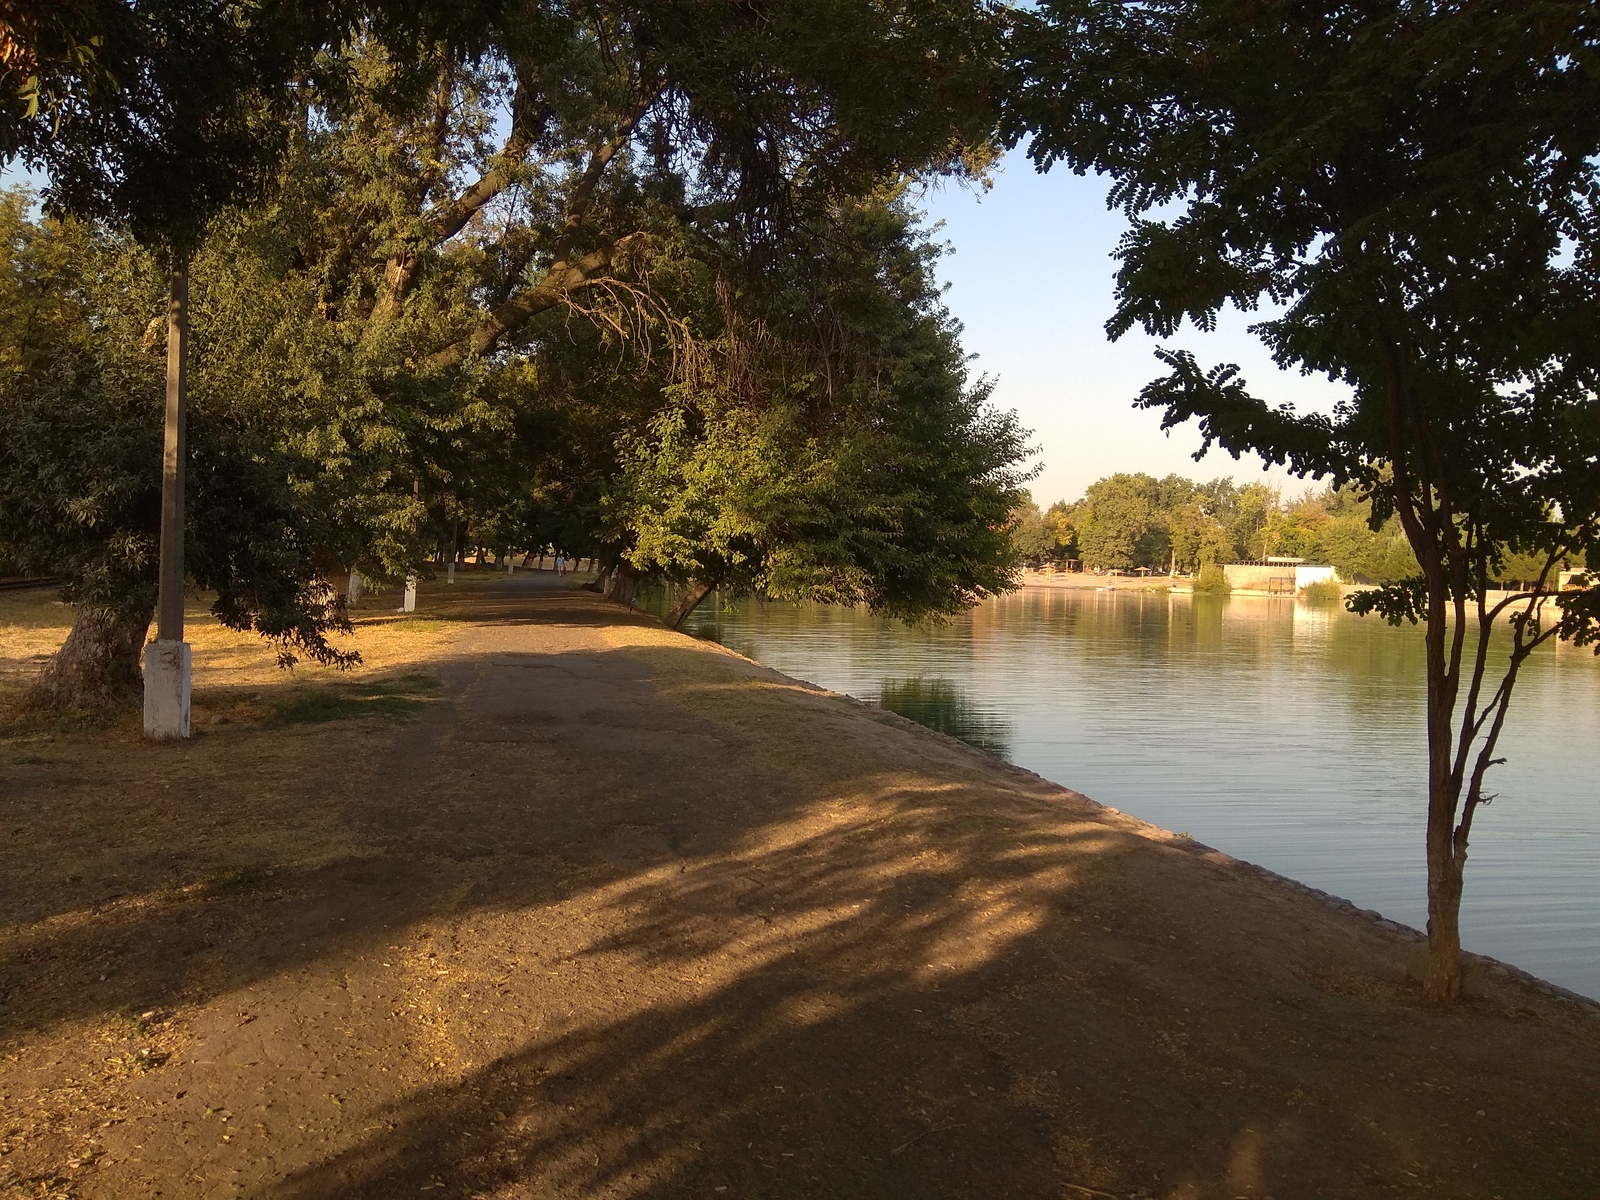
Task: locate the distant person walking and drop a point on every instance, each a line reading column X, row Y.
column 561, row 564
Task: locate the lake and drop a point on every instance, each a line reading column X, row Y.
column 1283, row 733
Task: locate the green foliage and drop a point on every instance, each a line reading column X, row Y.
column 1043, row 536
column 875, row 474
column 1322, row 591
column 1212, row 580
column 1122, row 526
column 1138, row 521
column 157, row 117
column 1467, row 418
column 79, row 411
column 80, row 401
column 630, row 279
column 1030, row 534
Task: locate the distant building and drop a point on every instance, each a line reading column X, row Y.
column 1569, row 576
column 1276, row 575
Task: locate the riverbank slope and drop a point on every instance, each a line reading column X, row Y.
column 550, row 901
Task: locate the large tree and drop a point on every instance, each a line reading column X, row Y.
column 832, row 446
column 1411, row 190
column 153, row 118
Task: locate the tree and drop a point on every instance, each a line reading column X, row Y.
column 863, row 469
column 1033, row 535
column 154, row 118
column 1413, row 188
column 1125, row 525
column 81, row 384
column 412, row 268
column 1198, row 538
column 1050, row 535
column 1063, row 527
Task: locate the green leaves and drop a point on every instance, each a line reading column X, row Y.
column 859, row 467
column 1414, row 190
column 1406, row 600
column 1232, row 418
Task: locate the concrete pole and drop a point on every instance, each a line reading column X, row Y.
column 166, row 660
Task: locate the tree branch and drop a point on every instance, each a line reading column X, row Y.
column 450, row 218
column 565, row 275
column 560, row 281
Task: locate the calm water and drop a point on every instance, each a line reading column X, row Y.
column 1286, row 734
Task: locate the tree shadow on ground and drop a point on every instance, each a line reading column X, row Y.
column 648, row 921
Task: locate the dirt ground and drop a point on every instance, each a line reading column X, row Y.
column 547, row 901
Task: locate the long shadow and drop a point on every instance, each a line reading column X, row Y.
column 705, row 929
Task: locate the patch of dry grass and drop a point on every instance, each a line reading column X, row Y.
column 236, row 675
column 33, row 624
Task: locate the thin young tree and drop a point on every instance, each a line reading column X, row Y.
column 1410, row 191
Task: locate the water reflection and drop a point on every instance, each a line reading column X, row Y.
column 939, row 704
column 1286, row 734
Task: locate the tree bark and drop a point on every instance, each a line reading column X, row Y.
column 1445, row 876
column 97, row 667
column 698, row 591
column 623, row 584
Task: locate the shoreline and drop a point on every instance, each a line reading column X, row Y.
column 610, row 910
column 1213, row 854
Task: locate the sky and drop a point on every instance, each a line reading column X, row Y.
column 1031, row 277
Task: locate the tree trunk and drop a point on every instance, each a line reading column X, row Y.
column 1446, row 859
column 1443, row 984
column 98, row 665
column 623, row 585
column 698, row 591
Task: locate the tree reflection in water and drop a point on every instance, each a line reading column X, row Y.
column 940, row 704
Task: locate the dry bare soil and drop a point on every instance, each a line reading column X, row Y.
column 547, row 901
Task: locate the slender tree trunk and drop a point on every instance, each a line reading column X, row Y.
column 698, row 591
column 98, row 665
column 1443, row 983
column 1445, row 876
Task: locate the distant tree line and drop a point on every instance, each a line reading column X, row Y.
column 1128, row 521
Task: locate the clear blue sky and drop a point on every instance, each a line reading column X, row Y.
column 1031, row 278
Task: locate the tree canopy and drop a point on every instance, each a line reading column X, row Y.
column 635, row 279
column 1128, row 521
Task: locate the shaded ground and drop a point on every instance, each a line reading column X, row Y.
column 586, row 908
